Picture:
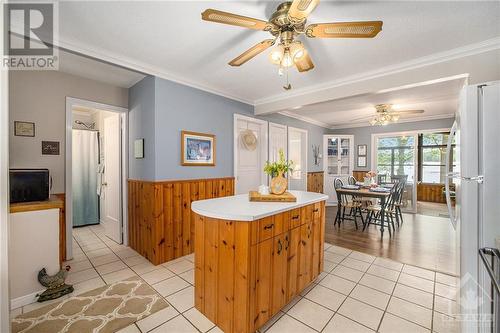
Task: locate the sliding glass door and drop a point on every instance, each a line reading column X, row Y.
column 395, row 159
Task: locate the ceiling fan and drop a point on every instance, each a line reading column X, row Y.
column 286, row 24
column 386, row 115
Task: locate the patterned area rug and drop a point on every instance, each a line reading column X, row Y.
column 105, row 310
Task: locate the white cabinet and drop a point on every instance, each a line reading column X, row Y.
column 338, row 152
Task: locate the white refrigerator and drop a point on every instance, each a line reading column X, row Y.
column 476, row 215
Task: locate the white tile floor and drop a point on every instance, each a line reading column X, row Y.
column 355, row 293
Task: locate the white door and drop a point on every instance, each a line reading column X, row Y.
column 249, row 161
column 338, row 163
column 277, row 141
column 297, row 152
column 111, row 180
column 395, row 154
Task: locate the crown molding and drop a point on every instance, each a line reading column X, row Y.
column 460, row 52
column 305, row 119
column 401, row 120
column 141, row 67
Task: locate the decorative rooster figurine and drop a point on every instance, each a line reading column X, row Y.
column 55, row 284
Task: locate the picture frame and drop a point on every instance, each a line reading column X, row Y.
column 362, row 150
column 50, row 148
column 24, row 128
column 197, row 149
column 362, row 161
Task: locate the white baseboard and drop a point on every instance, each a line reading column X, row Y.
column 24, row 300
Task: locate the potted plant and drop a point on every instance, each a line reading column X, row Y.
column 276, row 171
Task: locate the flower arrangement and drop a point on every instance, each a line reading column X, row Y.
column 282, row 166
column 371, row 174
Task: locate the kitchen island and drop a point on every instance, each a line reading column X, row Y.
column 252, row 258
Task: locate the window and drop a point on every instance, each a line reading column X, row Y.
column 432, row 157
column 395, row 157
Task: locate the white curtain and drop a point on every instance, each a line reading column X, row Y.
column 84, row 174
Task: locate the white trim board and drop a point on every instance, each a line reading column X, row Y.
column 141, row 67
column 436, row 58
column 4, row 194
column 70, row 102
column 24, row 300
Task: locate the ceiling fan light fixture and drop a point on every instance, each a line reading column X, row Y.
column 276, row 55
column 287, row 60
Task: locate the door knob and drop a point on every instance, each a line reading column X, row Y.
column 104, row 184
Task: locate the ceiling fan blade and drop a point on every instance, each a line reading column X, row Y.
column 368, row 29
column 403, row 112
column 300, row 9
column 304, row 63
column 218, row 16
column 251, row 52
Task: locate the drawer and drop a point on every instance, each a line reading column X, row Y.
column 265, row 228
column 295, row 218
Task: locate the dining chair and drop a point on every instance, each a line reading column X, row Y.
column 374, row 211
column 344, row 203
column 351, row 180
column 399, row 203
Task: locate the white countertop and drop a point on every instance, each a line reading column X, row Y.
column 239, row 207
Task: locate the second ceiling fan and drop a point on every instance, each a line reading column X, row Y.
column 286, row 24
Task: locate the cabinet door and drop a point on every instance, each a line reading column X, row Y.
column 292, row 245
column 263, row 282
column 305, row 256
column 279, row 278
column 317, row 246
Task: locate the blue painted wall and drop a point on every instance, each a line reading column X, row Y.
column 141, row 125
column 167, row 108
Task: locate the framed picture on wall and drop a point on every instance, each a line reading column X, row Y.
column 362, row 161
column 197, row 149
column 361, row 150
column 24, row 128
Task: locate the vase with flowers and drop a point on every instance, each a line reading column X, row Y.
column 369, row 178
column 276, row 171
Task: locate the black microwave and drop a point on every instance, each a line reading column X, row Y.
column 29, row 185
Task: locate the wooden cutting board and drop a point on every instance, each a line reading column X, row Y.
column 285, row 197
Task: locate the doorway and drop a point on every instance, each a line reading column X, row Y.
column 394, row 156
column 297, row 152
column 96, row 168
column 338, row 163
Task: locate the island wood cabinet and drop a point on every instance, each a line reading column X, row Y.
column 247, row 271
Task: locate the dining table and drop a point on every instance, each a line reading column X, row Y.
column 364, row 192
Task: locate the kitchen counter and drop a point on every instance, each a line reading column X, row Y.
column 54, row 201
column 239, row 208
column 253, row 258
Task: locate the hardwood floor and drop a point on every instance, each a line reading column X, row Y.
column 425, row 241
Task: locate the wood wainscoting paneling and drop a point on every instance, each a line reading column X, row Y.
column 160, row 220
column 431, row 192
column 315, row 181
column 359, row 175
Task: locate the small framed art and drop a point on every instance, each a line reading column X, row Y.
column 362, row 161
column 361, row 150
column 24, row 128
column 197, row 149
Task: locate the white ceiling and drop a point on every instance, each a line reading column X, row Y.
column 169, row 39
column 437, row 99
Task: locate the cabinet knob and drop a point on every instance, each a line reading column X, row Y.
column 269, row 226
column 280, row 246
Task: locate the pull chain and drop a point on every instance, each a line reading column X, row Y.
column 288, row 85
